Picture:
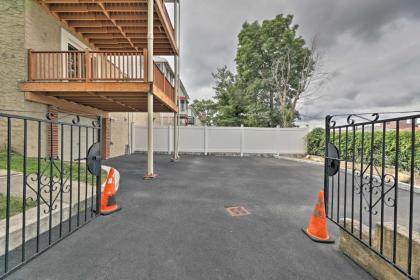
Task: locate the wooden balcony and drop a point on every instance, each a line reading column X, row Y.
column 104, row 80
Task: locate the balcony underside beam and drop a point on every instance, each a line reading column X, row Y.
column 104, row 96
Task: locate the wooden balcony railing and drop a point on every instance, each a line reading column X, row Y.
column 85, row 66
column 162, row 82
column 94, row 66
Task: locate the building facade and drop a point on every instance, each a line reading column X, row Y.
column 71, row 58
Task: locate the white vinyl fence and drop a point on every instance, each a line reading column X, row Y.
column 238, row 140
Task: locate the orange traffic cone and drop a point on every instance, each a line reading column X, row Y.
column 109, row 194
column 318, row 229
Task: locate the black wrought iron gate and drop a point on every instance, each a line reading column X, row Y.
column 372, row 168
column 46, row 188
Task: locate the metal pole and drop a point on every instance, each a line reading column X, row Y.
column 177, row 80
column 98, row 178
column 150, row 10
column 326, row 178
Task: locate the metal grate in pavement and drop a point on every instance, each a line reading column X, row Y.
column 237, row 211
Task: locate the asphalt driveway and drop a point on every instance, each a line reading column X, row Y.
column 176, row 227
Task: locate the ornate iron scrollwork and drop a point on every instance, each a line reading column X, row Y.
column 47, row 184
column 378, row 186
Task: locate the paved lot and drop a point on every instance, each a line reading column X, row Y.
column 176, row 227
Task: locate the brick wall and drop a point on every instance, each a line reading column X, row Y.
column 52, row 133
column 106, row 138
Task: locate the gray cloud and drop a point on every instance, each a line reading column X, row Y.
column 372, row 48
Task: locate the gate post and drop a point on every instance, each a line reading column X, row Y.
column 99, row 178
column 326, row 179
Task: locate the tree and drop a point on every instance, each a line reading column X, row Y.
column 274, row 69
column 292, row 77
column 205, row 110
column 231, row 103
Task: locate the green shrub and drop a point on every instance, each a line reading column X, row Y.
column 315, row 142
column 315, row 145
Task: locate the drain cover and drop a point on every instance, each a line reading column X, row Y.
column 237, row 211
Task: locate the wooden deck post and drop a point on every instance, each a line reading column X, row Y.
column 31, row 66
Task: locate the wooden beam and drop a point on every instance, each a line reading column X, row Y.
column 92, row 7
column 163, row 98
column 64, row 105
column 114, row 87
column 113, row 29
column 167, row 25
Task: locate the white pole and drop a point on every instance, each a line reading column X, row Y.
column 206, row 144
column 177, row 6
column 169, row 139
column 242, row 140
column 150, row 10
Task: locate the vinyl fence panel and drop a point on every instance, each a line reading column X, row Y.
column 236, row 140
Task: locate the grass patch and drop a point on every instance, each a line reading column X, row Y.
column 16, row 164
column 16, row 206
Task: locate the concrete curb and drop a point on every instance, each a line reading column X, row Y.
column 401, row 185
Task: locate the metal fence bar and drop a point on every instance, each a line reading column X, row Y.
column 410, row 226
column 51, row 186
column 9, row 151
column 397, row 155
column 345, row 176
column 38, row 194
column 98, row 178
column 61, row 179
column 361, row 184
column 332, row 180
column 352, row 176
column 25, row 154
column 372, row 139
column 383, row 188
column 86, row 174
column 78, row 177
column 71, row 177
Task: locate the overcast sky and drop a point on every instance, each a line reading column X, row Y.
column 372, row 47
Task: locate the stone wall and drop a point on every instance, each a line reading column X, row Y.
column 370, row 261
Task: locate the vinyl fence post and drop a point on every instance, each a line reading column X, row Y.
column 242, row 139
column 205, row 140
column 278, row 139
column 132, row 138
column 169, row 139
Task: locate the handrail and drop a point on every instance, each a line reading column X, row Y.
column 85, row 65
column 91, row 66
